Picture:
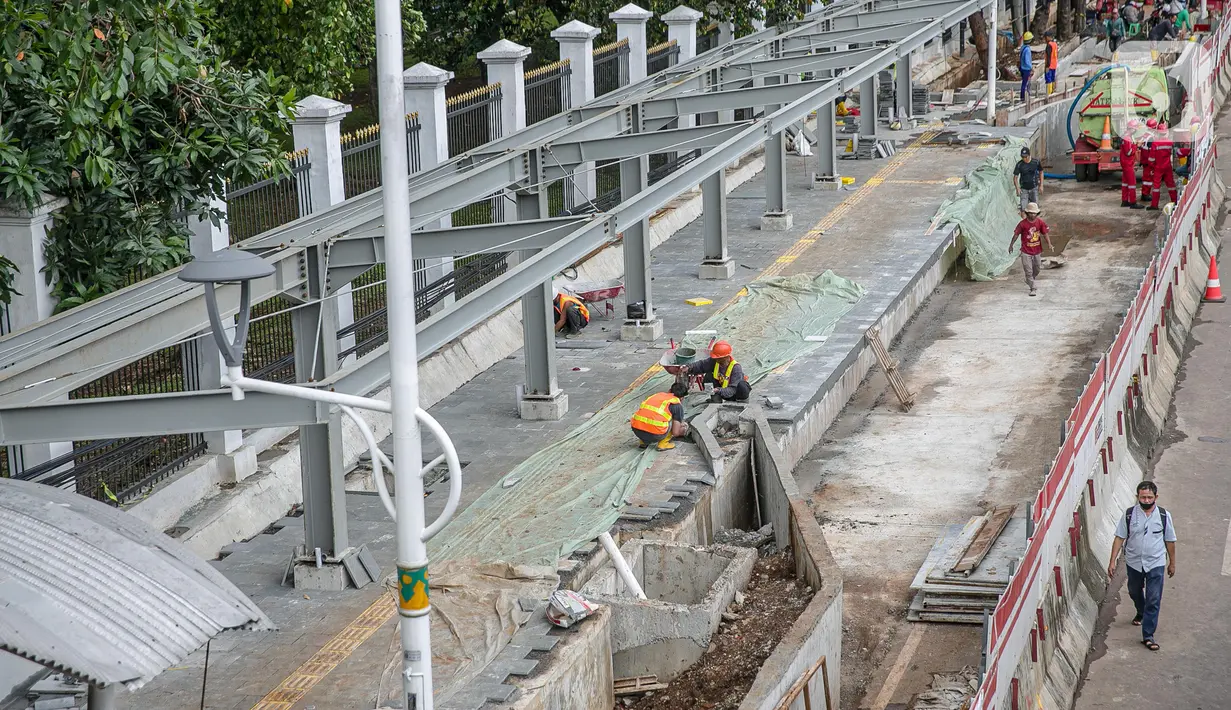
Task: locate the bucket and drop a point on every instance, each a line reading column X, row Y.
column 683, row 355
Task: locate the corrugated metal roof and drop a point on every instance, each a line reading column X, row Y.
column 95, row 592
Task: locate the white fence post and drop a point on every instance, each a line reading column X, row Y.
column 318, row 128
column 576, row 41
column 423, row 91
column 22, row 236
column 630, row 24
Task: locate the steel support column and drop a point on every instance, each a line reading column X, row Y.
column 540, row 397
column 826, row 175
column 640, row 322
column 867, row 107
column 314, row 327
column 715, row 264
column 903, row 88
column 776, row 217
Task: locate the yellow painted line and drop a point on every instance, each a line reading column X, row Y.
column 296, row 686
column 899, row 668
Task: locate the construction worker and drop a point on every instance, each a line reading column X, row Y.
column 1116, row 29
column 1033, row 232
column 1147, row 159
column 722, row 371
column 1128, row 167
column 571, row 315
column 1052, row 54
column 1164, row 173
column 1025, row 62
column 661, row 418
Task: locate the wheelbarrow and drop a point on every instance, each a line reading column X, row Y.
column 599, row 292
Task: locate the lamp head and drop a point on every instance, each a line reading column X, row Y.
column 227, row 265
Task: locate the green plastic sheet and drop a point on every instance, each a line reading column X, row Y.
column 568, row 493
column 986, row 210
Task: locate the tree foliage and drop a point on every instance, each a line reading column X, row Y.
column 459, row 29
column 123, row 108
column 316, row 44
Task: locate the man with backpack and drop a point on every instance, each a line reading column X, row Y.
column 1147, row 535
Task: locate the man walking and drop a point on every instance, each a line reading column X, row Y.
column 1147, row 535
column 1028, row 179
column 1025, row 63
column 1032, row 232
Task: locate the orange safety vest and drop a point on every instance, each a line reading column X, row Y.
column 726, row 376
column 654, row 416
column 1053, row 55
column 562, row 301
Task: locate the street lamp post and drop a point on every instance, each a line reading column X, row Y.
column 407, row 506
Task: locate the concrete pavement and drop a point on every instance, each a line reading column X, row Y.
column 1190, row 671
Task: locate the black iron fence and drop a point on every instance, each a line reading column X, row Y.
column 118, row 470
column 547, row 91
column 708, row 38
column 474, row 119
column 270, row 353
column 610, row 67
column 661, row 56
column 361, row 156
column 271, row 202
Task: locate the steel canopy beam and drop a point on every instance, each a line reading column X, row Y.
column 367, row 249
column 827, row 61
column 826, row 40
column 560, row 158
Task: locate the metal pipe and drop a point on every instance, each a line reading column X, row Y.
column 413, row 604
column 993, row 38
column 621, row 565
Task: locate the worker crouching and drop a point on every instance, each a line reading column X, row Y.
column 571, row 315
column 722, row 371
column 661, row 418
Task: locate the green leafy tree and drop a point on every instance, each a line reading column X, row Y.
column 316, row 44
column 123, row 108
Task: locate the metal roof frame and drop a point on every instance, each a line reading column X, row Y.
column 56, row 356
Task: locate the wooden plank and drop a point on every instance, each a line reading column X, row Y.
column 890, row 366
column 979, row 547
column 636, row 685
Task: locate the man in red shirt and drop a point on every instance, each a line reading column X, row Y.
column 1032, row 231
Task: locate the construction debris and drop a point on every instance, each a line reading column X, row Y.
column 890, row 366
column 637, row 685
column 968, row 568
column 566, row 607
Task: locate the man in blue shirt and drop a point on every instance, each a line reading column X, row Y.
column 1026, row 63
column 1147, row 535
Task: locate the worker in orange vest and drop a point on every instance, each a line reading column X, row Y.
column 724, row 373
column 1129, row 154
column 1052, row 54
column 1164, row 173
column 661, row 418
column 571, row 315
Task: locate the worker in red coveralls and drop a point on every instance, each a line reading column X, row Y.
column 1128, row 167
column 1032, row 232
column 1164, row 172
column 1146, row 149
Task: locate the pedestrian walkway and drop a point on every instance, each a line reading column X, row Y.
column 1190, row 670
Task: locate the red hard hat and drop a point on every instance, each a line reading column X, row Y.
column 721, row 349
column 1162, row 125
column 1152, row 123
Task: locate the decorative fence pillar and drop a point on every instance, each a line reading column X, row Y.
column 576, row 41
column 318, row 128
column 682, row 28
column 630, row 24
column 22, row 236
column 506, row 65
column 423, row 91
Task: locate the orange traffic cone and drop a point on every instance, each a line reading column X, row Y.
column 1105, row 143
column 1213, row 289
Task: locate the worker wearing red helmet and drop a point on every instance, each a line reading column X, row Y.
column 1147, row 160
column 1164, row 173
column 721, row 370
column 1129, row 155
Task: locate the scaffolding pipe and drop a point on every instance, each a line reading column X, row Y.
column 621, row 565
column 993, row 38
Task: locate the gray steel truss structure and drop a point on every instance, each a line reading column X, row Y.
column 786, row 72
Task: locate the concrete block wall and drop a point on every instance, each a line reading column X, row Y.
column 818, row 630
column 580, row 675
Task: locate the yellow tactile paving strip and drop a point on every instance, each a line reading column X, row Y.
column 296, row 686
